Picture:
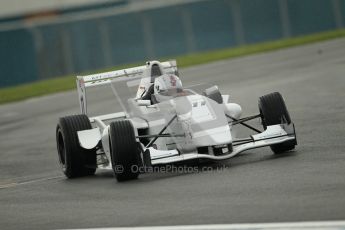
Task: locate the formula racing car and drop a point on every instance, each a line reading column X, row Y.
column 162, row 122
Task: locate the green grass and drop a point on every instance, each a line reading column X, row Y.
column 60, row 84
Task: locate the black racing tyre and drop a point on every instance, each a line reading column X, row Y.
column 74, row 160
column 273, row 111
column 125, row 154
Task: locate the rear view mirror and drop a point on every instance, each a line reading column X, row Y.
column 144, row 102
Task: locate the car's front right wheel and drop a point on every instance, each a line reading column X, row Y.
column 125, row 154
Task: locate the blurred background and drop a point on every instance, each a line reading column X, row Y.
column 41, row 39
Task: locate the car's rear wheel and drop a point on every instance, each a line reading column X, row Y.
column 273, row 111
column 125, row 154
column 74, row 160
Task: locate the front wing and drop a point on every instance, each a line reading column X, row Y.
column 274, row 134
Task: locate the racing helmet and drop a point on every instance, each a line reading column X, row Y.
column 168, row 85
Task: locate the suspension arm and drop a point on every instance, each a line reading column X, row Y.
column 242, row 121
column 161, row 132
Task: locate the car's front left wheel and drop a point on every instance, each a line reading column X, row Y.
column 273, row 111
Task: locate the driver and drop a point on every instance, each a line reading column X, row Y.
column 167, row 86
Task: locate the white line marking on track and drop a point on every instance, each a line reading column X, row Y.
column 324, row 225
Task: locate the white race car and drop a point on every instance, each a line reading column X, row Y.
column 162, row 124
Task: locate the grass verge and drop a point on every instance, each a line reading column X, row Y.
column 59, row 84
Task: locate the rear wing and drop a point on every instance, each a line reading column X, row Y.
column 99, row 79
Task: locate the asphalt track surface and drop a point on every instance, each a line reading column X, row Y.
column 305, row 185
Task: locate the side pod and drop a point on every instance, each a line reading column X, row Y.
column 90, row 138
